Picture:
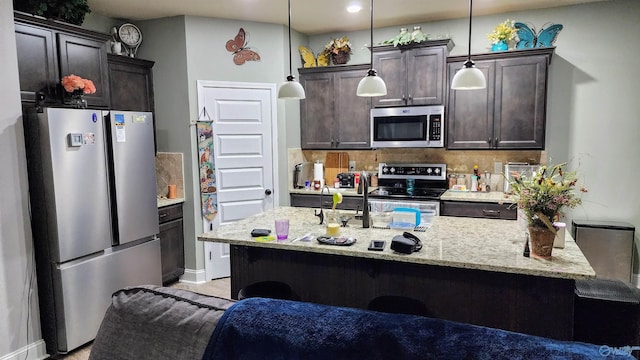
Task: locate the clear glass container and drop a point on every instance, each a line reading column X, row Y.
column 453, row 180
column 461, row 180
column 417, row 36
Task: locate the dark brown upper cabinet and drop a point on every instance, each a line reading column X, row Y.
column 511, row 112
column 48, row 50
column 414, row 74
column 332, row 116
column 131, row 83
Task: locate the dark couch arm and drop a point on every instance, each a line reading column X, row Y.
column 152, row 322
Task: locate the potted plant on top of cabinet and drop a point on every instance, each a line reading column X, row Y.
column 70, row 11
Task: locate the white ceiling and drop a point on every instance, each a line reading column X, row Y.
column 321, row 16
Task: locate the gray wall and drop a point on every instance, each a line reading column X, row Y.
column 188, row 49
column 20, row 319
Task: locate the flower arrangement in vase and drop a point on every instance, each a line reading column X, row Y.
column 541, row 198
column 339, row 50
column 502, row 35
column 76, row 87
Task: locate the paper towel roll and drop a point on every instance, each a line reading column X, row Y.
column 318, row 171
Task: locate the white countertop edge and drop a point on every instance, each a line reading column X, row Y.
column 166, row 202
column 493, row 197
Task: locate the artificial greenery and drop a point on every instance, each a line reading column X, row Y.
column 71, row 11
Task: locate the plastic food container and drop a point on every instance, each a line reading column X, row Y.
column 380, row 219
column 426, row 217
column 406, row 215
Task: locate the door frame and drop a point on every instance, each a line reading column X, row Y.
column 271, row 87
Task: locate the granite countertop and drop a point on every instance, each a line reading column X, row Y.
column 493, row 197
column 163, row 201
column 484, row 244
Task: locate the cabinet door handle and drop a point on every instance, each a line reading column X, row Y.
column 163, row 215
column 489, row 140
column 491, row 212
column 337, row 142
column 497, row 140
column 410, row 97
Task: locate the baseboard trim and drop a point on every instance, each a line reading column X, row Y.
column 192, row 277
column 33, row 351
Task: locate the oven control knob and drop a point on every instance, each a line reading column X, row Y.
column 393, row 170
column 429, row 170
column 437, row 170
column 385, row 170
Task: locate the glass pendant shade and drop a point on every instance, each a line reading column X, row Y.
column 291, row 89
column 371, row 85
column 469, row 78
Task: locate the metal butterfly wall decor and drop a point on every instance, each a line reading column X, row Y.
column 241, row 52
column 530, row 39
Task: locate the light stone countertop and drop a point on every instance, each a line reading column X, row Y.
column 493, row 196
column 163, row 201
column 484, row 244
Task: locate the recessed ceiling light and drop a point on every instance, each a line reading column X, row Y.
column 354, row 8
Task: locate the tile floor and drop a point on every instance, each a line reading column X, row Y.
column 219, row 287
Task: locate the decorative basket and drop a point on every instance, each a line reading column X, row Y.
column 340, row 58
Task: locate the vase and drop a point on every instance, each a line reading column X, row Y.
column 340, row 58
column 541, row 241
column 77, row 100
column 500, row 46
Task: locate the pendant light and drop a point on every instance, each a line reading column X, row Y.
column 372, row 84
column 469, row 77
column 291, row 89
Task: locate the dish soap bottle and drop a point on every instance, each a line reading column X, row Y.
column 474, row 179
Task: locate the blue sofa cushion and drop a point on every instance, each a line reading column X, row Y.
column 259, row 328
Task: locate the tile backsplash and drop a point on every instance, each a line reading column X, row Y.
column 169, row 171
column 458, row 161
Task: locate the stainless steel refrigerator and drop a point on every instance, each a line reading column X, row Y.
column 94, row 216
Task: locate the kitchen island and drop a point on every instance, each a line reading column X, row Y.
column 469, row 270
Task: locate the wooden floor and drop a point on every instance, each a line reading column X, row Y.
column 220, row 287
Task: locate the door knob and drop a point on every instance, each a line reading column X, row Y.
column 267, row 192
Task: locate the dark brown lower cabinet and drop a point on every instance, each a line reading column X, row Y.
column 313, row 201
column 478, row 210
column 171, row 242
column 528, row 304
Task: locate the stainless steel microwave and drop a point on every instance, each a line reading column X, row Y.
column 412, row 126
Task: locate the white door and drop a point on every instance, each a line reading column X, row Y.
column 244, row 125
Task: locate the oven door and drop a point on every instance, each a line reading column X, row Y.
column 428, row 208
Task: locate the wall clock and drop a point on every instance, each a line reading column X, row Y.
column 131, row 37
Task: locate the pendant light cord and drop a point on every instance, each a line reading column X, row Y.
column 290, row 70
column 470, row 7
column 371, row 33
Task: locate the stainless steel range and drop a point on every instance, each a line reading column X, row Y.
column 417, row 186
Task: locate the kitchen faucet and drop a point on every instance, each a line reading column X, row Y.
column 321, row 214
column 364, row 183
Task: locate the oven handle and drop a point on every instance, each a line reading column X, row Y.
column 389, row 205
